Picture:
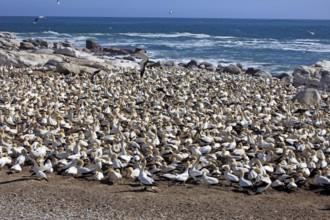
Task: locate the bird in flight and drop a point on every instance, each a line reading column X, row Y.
column 311, row 32
column 38, row 18
column 141, row 54
column 170, row 12
column 58, row 2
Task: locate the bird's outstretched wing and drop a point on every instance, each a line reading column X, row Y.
column 38, row 18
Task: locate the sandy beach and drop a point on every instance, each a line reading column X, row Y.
column 70, row 198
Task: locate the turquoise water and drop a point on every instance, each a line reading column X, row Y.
column 274, row 45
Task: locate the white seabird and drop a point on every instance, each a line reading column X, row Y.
column 170, row 12
column 38, row 18
column 58, row 2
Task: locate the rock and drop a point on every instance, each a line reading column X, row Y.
column 308, row 97
column 67, row 68
column 233, row 69
column 117, row 51
column 129, row 58
column 282, row 75
column 152, row 64
column 287, row 79
column 325, row 80
column 302, row 75
column 92, row 45
column 192, row 64
column 169, row 63
column 53, row 62
column 44, row 51
column 27, row 46
column 8, row 41
column 239, row 65
column 252, row 71
column 263, row 74
column 46, row 44
column 207, row 66
column 59, row 45
column 66, row 51
column 324, row 64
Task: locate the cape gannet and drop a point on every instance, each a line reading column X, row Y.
column 38, row 18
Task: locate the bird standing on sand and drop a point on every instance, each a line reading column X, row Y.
column 38, row 18
column 141, row 54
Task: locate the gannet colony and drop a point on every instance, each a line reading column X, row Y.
column 176, row 124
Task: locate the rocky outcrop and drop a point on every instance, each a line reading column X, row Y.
column 316, row 76
column 8, row 41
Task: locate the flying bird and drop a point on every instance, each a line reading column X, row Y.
column 58, row 2
column 141, row 54
column 170, row 12
column 38, row 18
column 311, row 32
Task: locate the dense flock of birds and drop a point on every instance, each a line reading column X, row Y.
column 180, row 125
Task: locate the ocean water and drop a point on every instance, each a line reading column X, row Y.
column 274, row 45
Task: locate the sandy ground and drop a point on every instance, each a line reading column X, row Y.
column 23, row 197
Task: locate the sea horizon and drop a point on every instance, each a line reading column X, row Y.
column 171, row 17
column 275, row 45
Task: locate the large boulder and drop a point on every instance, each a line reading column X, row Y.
column 233, row 69
column 67, row 68
column 68, row 51
column 192, row 64
column 27, row 46
column 325, row 80
column 302, row 75
column 207, row 66
column 92, row 45
column 263, row 74
column 252, row 71
column 8, row 41
column 308, row 97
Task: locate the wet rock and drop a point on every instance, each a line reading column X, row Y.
column 92, row 45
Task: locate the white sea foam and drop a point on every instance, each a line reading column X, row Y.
column 51, row 32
